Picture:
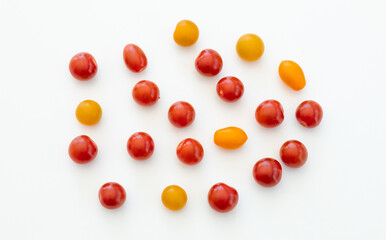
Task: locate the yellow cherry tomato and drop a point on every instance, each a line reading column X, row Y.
column 250, row 47
column 88, row 112
column 174, row 197
column 292, row 75
column 186, row 33
column 230, row 137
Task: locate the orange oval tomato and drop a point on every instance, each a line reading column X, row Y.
column 292, row 75
column 230, row 137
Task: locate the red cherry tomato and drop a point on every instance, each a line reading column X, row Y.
column 309, row 114
column 181, row 114
column 222, row 197
column 83, row 66
column 230, row 89
column 190, row 151
column 112, row 195
column 140, row 146
column 145, row 93
column 209, row 63
column 82, row 149
column 293, row 153
column 135, row 58
column 267, row 172
column 269, row 114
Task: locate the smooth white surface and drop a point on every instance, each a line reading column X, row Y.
column 339, row 194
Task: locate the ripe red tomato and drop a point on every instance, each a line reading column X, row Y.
column 140, row 146
column 293, row 153
column 190, row 151
column 209, row 63
column 269, row 114
column 135, row 58
column 267, row 172
column 309, row 114
column 230, row 89
column 112, row 195
column 181, row 114
column 82, row 149
column 145, row 93
column 83, row 66
column 222, row 197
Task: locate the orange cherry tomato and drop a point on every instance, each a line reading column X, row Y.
column 174, row 197
column 135, row 58
column 230, row 137
column 250, row 47
column 88, row 112
column 292, row 75
column 186, row 33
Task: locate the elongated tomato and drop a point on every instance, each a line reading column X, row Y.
column 230, row 137
column 292, row 75
column 135, row 58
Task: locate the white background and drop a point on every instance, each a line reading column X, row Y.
column 339, row 194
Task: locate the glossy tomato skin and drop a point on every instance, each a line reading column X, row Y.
column 134, row 58
column 267, row 172
column 112, row 195
column 88, row 112
column 174, row 197
column 181, row 114
column 309, row 114
column 145, row 93
column 250, row 47
column 293, row 153
column 83, row 66
column 82, row 149
column 190, row 151
column 230, row 137
column 230, row 89
column 140, row 146
column 269, row 114
column 222, row 197
column 186, row 33
column 209, row 63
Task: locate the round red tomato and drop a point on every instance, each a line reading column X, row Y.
column 140, row 146
column 135, row 58
column 190, row 151
column 230, row 89
column 309, row 114
column 269, row 114
column 209, row 63
column 222, row 197
column 83, row 66
column 181, row 114
column 112, row 195
column 82, row 149
column 145, row 93
column 267, row 172
column 293, row 153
